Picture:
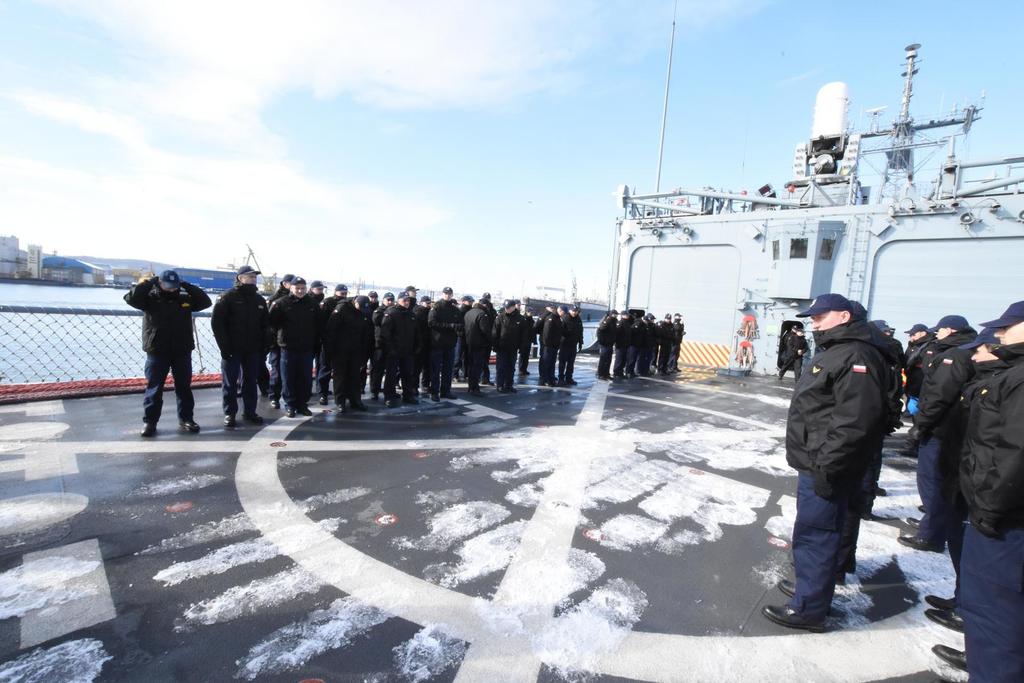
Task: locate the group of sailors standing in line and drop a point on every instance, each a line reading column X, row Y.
column 965, row 393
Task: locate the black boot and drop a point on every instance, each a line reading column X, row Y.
column 188, row 426
column 148, row 429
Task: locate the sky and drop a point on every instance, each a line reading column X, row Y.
column 463, row 143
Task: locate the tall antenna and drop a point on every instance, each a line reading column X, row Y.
column 664, row 111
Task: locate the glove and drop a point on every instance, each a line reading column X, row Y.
column 912, row 405
column 822, row 487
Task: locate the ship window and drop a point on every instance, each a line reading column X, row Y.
column 798, row 248
column 775, row 250
column 828, row 247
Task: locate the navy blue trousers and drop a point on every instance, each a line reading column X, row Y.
column 548, row 359
column 324, row 371
column 955, row 542
column 475, row 360
column 566, row 361
column 399, row 366
column 441, row 365
column 938, row 512
column 296, row 377
column 460, row 357
column 643, row 361
column 604, row 361
column 620, row 362
column 156, row 368
column 248, row 365
column 632, row 356
column 992, row 605
column 274, row 361
column 817, row 535
column 673, row 361
column 505, row 368
column 524, row 358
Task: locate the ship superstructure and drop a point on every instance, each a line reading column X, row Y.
column 921, row 245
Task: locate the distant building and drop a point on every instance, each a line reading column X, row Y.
column 8, row 256
column 34, row 261
column 72, row 271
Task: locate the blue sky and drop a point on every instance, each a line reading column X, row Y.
column 463, row 143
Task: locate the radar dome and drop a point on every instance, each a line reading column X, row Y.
column 830, row 109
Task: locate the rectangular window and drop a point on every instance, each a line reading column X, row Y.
column 798, row 248
column 775, row 250
column 828, row 247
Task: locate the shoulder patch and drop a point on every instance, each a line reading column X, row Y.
column 815, row 370
column 947, row 361
column 860, row 369
column 984, row 391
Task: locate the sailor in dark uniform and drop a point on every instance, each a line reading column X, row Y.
column 836, row 419
column 992, row 481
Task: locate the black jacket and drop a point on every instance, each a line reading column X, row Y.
column 606, row 330
column 398, row 331
column 444, row 322
column 624, row 333
column 992, row 468
column 478, row 327
column 638, row 336
column 652, row 335
column 529, row 331
column 296, row 323
column 241, row 322
column 945, row 376
column 666, row 333
column 679, row 329
column 550, row 330
column 837, row 417
column 460, row 331
column 348, row 332
column 421, row 314
column 377, row 318
column 794, row 344
column 280, row 293
column 507, row 333
column 572, row 330
column 167, row 319
column 914, row 361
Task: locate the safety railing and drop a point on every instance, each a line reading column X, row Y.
column 77, row 351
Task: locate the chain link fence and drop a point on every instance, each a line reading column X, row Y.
column 46, row 344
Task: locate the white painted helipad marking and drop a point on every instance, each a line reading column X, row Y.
column 477, row 410
column 32, row 431
column 26, row 514
column 770, row 400
column 36, row 409
column 772, row 429
column 93, row 607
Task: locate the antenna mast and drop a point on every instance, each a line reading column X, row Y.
column 664, row 111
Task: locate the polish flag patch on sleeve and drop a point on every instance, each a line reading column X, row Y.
column 947, row 361
column 860, row 369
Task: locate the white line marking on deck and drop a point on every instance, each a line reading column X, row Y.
column 26, row 514
column 477, row 410
column 36, row 408
column 94, row 607
column 770, row 400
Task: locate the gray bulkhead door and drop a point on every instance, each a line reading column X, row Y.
column 921, row 281
column 701, row 282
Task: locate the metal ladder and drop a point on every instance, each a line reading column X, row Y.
column 858, row 258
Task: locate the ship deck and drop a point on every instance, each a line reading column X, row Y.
column 607, row 532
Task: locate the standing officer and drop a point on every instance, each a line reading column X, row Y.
column 623, row 334
column 492, row 315
column 461, row 357
column 538, row 329
column 637, row 343
column 421, row 364
column 945, row 377
column 296, row 320
column 836, row 417
column 551, row 335
column 274, row 355
column 678, row 332
column 507, row 336
column 529, row 338
column 992, row 479
column 666, row 337
column 917, row 354
column 795, row 348
column 324, row 368
column 167, row 304
column 316, row 291
column 444, row 321
column 572, row 342
column 478, row 330
column 373, row 305
column 606, row 330
column 398, row 336
column 348, row 340
column 378, row 361
column 241, row 326
column 646, row 353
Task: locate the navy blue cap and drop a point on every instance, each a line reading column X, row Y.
column 954, row 322
column 424, row 299
column 987, row 336
column 486, row 296
column 340, row 288
column 826, row 303
column 447, row 290
column 917, row 327
column 247, row 269
column 371, row 294
column 316, row 283
column 287, row 279
column 509, row 303
column 362, row 301
column 411, row 288
column 574, row 307
column 389, row 295
column 882, row 325
column 1013, row 315
column 563, row 308
column 649, row 316
column 466, row 297
column 298, row 280
column 613, row 312
column 170, row 278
